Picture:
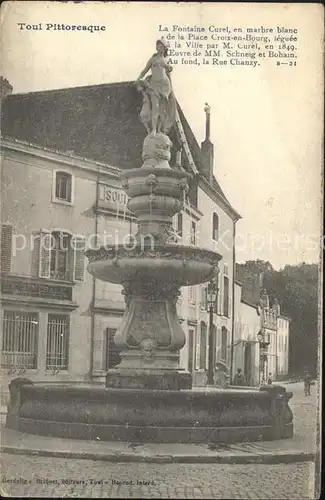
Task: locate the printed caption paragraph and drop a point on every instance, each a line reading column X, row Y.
column 231, row 46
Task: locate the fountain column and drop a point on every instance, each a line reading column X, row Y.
column 157, row 266
column 152, row 273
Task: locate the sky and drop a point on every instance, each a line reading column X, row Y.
column 266, row 122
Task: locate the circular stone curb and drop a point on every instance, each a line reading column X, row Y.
column 240, row 458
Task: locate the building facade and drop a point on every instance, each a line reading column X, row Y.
column 63, row 152
column 261, row 335
column 282, row 346
column 246, row 352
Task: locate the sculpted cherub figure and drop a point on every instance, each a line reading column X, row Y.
column 159, row 105
column 148, row 347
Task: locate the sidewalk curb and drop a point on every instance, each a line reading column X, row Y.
column 239, row 458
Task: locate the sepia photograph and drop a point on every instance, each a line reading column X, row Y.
column 161, row 249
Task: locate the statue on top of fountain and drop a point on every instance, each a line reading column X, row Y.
column 158, row 112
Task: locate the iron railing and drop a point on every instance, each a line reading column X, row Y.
column 57, row 349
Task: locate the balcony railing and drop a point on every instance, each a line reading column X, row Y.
column 35, row 287
column 270, row 319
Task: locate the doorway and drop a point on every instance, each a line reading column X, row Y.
column 113, row 357
column 190, row 350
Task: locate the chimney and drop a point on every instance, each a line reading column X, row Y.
column 207, row 147
column 276, row 306
column 265, row 299
column 5, row 88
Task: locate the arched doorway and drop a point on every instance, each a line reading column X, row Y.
column 248, row 363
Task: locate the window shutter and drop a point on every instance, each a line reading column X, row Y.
column 45, row 254
column 197, row 350
column 79, row 258
column 203, row 301
column 6, row 248
column 226, row 296
column 220, row 297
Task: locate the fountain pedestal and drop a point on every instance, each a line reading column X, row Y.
column 151, row 336
column 151, row 273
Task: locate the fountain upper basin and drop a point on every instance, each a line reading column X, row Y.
column 179, row 264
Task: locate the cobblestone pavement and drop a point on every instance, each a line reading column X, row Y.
column 304, row 410
column 165, row 481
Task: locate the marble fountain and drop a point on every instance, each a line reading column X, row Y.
column 148, row 397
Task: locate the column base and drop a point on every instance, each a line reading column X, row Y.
column 148, row 379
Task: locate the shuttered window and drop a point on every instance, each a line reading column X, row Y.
column 61, row 256
column 78, row 244
column 6, row 248
column 45, row 254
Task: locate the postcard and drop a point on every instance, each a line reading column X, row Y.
column 161, row 243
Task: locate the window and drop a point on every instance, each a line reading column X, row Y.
column 63, row 186
column 215, row 227
column 224, row 341
column 191, row 350
column 61, row 256
column 203, row 296
column 60, row 265
column 203, row 345
column 57, row 349
column 179, row 224
column 113, row 357
column 19, row 341
column 193, row 233
column 197, row 350
column 6, row 248
column 192, row 295
column 226, row 296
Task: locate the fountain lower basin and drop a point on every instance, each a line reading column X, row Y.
column 92, row 413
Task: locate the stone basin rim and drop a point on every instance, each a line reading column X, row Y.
column 95, row 392
column 121, row 250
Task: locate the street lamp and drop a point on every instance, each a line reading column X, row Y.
column 212, row 294
column 263, row 343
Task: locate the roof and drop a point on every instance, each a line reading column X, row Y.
column 98, row 122
column 250, row 285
